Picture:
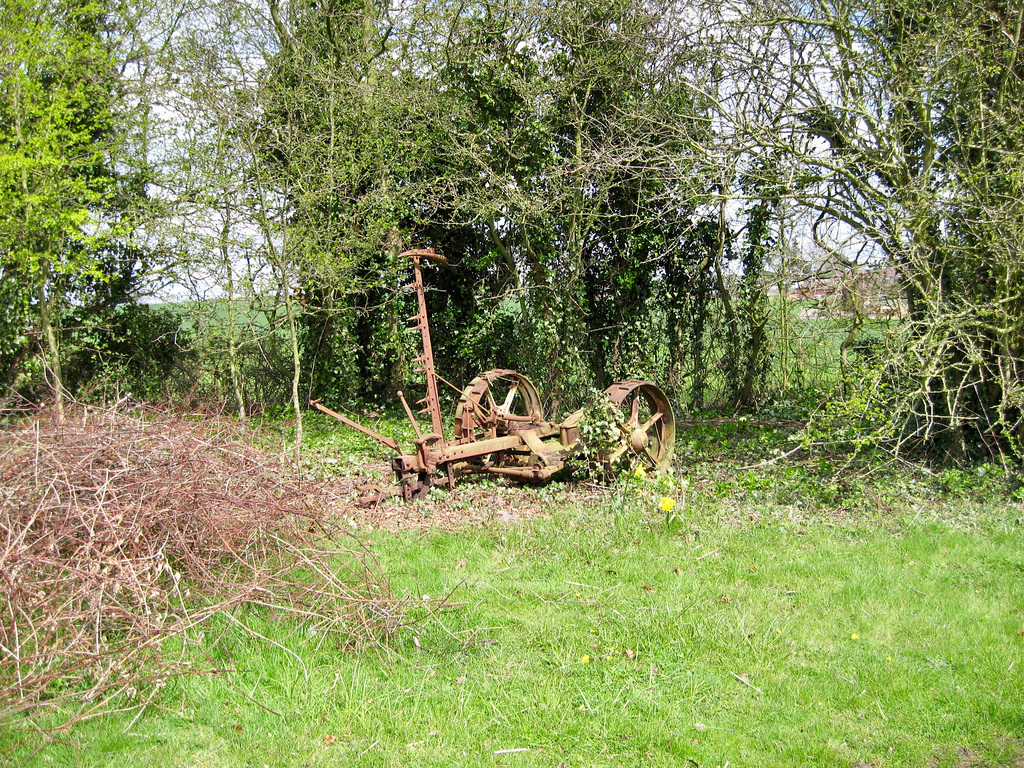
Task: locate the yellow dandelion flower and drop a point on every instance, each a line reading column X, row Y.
column 667, row 504
column 855, row 636
column 640, row 472
column 585, row 660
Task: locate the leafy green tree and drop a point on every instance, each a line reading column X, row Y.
column 327, row 146
column 59, row 207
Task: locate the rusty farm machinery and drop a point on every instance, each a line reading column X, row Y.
column 500, row 429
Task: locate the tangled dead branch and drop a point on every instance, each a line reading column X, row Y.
column 122, row 534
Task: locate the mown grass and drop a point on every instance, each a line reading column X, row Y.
column 790, row 617
column 594, row 640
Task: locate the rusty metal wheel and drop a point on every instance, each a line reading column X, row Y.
column 648, row 425
column 494, row 404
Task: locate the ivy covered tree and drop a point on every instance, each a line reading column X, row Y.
column 547, row 149
column 562, row 155
column 898, row 127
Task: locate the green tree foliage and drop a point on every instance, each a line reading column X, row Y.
column 614, row 183
column 336, row 143
column 131, row 350
column 561, row 131
column 64, row 208
column 549, row 151
column 536, row 145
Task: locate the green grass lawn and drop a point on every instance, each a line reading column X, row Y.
column 748, row 633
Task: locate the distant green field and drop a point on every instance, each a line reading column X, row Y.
column 214, row 313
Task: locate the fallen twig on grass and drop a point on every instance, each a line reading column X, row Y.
column 742, row 679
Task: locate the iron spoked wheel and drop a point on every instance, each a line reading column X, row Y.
column 493, row 402
column 648, row 425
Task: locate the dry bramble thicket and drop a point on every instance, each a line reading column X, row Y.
column 123, row 532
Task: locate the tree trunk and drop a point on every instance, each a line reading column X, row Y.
column 236, row 379
column 289, row 309
column 46, row 325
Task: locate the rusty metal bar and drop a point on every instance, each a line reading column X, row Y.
column 433, row 404
column 429, row 254
column 410, row 414
column 480, row 448
column 526, row 473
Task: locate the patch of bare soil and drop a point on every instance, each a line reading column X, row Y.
column 471, row 504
